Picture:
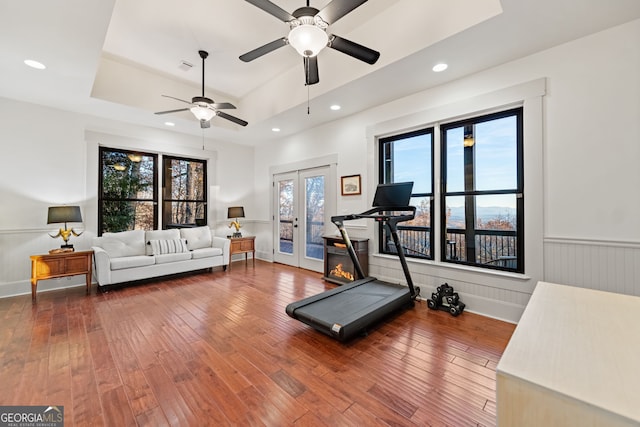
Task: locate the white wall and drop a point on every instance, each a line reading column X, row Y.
column 589, row 233
column 54, row 160
column 588, row 175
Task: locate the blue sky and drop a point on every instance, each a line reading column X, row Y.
column 495, row 151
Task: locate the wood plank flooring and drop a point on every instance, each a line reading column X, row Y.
column 217, row 349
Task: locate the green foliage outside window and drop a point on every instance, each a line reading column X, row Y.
column 127, row 191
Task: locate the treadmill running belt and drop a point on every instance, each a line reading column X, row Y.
column 352, row 308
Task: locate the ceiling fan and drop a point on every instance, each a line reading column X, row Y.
column 308, row 34
column 204, row 108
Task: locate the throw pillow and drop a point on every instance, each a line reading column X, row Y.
column 174, row 246
column 159, row 235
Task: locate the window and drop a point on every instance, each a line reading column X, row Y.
column 184, row 195
column 409, row 157
column 481, row 195
column 127, row 196
column 482, row 199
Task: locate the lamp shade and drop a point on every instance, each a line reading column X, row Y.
column 59, row 214
column 235, row 212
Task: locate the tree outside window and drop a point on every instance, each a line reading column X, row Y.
column 184, row 192
column 127, row 197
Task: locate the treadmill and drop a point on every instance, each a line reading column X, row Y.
column 348, row 310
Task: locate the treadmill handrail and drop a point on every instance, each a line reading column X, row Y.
column 391, row 221
column 371, row 214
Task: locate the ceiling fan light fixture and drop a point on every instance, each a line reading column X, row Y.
column 308, row 39
column 202, row 113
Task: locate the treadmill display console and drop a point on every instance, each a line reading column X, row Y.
column 395, row 194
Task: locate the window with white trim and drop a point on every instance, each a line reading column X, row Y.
column 481, row 195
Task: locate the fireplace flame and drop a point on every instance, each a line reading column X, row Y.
column 339, row 272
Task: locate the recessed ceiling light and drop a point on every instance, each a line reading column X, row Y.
column 275, row 129
column 35, row 64
column 169, row 124
column 335, row 107
column 440, row 67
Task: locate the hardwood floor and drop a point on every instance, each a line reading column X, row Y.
column 217, row 349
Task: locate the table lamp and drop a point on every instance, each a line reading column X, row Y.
column 64, row 214
column 236, row 212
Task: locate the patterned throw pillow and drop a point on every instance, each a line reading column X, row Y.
column 173, row 246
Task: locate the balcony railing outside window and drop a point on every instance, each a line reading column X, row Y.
column 314, row 246
column 494, row 248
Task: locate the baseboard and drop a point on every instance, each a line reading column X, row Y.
column 23, row 287
column 499, row 310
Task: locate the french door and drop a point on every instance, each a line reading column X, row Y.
column 304, row 202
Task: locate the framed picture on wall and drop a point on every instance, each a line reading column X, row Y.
column 350, row 185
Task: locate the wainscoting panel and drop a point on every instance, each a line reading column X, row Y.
column 494, row 294
column 606, row 266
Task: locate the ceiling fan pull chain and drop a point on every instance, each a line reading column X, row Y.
column 308, row 100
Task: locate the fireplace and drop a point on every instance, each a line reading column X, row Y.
column 338, row 266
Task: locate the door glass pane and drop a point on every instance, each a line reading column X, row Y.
column 285, row 216
column 314, row 207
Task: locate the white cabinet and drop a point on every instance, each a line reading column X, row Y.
column 573, row 360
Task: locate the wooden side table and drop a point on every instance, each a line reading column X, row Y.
column 51, row 266
column 243, row 245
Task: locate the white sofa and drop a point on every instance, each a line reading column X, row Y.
column 135, row 255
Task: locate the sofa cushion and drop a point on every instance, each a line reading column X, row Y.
column 124, row 243
column 159, row 235
column 206, row 253
column 166, row 258
column 159, row 247
column 131, row 262
column 197, row 237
